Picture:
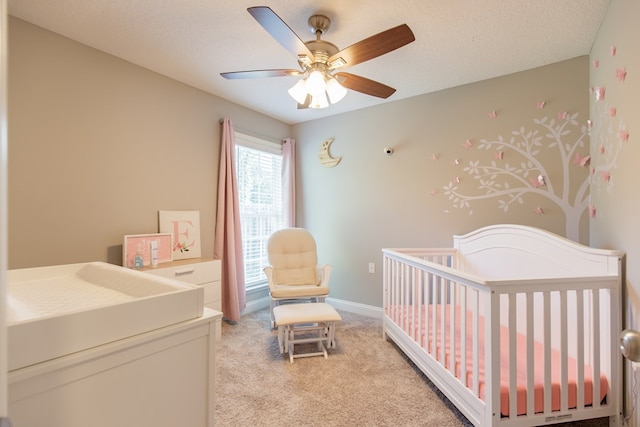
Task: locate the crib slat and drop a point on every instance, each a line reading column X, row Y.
column 547, row 352
column 452, row 328
column 476, row 352
column 434, row 299
column 463, row 335
column 442, row 306
column 427, row 303
column 513, row 361
column 530, row 362
column 412, row 303
column 580, row 348
column 596, row 349
column 419, row 304
column 564, row 363
column 403, row 298
column 393, row 301
column 491, row 313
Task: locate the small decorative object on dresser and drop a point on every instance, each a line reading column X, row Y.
column 184, row 227
column 204, row 272
column 136, row 249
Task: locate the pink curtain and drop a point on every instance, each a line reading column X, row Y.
column 289, row 181
column 228, row 239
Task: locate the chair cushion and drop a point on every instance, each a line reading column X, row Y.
column 294, row 314
column 292, row 254
column 298, row 291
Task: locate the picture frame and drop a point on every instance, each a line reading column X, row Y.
column 139, row 243
column 184, row 227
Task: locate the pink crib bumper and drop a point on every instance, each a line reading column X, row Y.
column 408, row 316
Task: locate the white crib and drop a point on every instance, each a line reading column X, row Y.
column 515, row 325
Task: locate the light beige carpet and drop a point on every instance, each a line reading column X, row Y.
column 365, row 381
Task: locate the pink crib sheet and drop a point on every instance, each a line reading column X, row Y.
column 411, row 316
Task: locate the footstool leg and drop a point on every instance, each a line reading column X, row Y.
column 331, row 335
column 281, row 339
column 291, row 343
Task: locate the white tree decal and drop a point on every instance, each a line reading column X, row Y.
column 516, row 170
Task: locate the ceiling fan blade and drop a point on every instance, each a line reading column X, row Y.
column 280, row 31
column 372, row 47
column 364, row 85
column 259, row 74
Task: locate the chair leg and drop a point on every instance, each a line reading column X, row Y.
column 271, row 307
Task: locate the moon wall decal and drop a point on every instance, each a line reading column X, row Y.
column 324, row 155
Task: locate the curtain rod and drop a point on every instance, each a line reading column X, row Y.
column 255, row 134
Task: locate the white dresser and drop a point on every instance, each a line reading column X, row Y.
column 205, row 272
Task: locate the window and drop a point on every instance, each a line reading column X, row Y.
column 259, row 170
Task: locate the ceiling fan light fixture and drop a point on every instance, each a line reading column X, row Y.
column 319, row 101
column 319, row 59
column 335, row 90
column 298, row 92
column 316, row 83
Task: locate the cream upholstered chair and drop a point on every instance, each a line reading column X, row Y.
column 293, row 272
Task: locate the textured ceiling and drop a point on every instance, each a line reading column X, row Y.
column 457, row 41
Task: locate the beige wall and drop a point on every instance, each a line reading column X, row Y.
column 97, row 146
column 371, row 201
column 617, row 206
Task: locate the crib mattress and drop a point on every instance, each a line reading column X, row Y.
column 405, row 314
column 59, row 310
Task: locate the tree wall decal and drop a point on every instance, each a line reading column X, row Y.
column 520, row 167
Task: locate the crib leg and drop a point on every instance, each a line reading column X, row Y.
column 614, row 421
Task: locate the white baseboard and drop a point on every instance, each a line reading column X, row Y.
column 351, row 307
column 256, row 304
column 357, row 308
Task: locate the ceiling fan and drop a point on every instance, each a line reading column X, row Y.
column 320, row 60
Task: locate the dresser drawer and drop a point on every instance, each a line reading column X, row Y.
column 196, row 273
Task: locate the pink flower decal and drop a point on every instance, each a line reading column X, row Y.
column 606, row 176
column 562, row 115
column 493, row 114
column 499, row 155
column 621, row 74
column 539, row 210
column 596, row 63
column 538, row 182
column 540, row 104
column 613, row 50
column 592, row 211
column 623, row 135
column 582, row 161
column 468, row 144
column 612, row 112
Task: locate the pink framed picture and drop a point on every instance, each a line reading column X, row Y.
column 140, row 244
column 184, row 227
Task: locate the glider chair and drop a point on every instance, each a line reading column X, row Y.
column 293, row 272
